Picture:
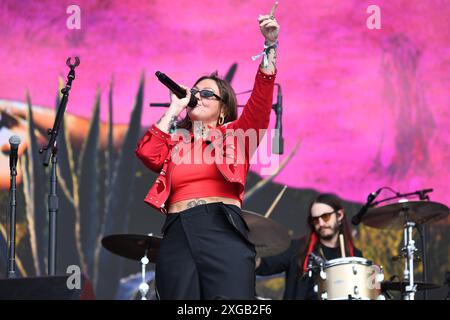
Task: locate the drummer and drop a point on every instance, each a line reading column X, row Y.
column 326, row 221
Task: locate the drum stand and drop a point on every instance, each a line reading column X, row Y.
column 408, row 251
column 144, row 287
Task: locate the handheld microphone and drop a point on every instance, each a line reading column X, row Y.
column 175, row 88
column 358, row 217
column 14, row 142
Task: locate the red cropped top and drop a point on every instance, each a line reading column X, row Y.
column 198, row 179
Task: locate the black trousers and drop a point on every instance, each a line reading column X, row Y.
column 205, row 254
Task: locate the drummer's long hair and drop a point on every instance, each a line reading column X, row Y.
column 313, row 243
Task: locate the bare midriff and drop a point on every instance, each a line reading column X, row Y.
column 190, row 203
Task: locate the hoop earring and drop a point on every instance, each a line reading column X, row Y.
column 221, row 120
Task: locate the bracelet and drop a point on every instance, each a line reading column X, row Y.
column 265, row 52
column 267, row 44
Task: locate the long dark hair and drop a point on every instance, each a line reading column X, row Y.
column 313, row 242
column 228, row 103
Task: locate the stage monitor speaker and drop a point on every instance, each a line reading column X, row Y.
column 44, row 288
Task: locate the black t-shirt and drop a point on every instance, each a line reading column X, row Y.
column 330, row 253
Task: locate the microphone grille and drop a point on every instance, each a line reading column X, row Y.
column 14, row 140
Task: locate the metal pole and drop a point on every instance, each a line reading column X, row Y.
column 411, row 288
column 53, row 210
column 12, row 228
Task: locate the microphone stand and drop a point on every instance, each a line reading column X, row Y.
column 277, row 140
column 12, row 228
column 405, row 195
column 51, row 151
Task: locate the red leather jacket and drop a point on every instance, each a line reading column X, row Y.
column 155, row 147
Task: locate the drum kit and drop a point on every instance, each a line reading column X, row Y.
column 361, row 279
column 344, row 278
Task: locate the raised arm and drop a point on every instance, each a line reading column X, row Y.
column 270, row 30
column 256, row 113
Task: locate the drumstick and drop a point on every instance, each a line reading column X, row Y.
column 341, row 240
column 275, row 202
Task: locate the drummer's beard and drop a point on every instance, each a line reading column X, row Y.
column 329, row 235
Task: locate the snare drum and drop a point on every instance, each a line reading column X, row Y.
column 350, row 278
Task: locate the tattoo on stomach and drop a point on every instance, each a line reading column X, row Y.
column 195, row 203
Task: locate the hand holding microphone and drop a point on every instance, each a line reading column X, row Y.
column 181, row 98
column 181, row 95
column 180, row 103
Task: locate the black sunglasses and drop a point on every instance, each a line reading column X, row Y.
column 208, row 94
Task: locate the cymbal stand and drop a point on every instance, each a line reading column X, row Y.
column 423, row 232
column 144, row 287
column 409, row 248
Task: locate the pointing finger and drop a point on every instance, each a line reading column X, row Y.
column 272, row 11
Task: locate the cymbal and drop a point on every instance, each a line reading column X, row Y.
column 400, row 286
column 269, row 237
column 394, row 216
column 133, row 246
